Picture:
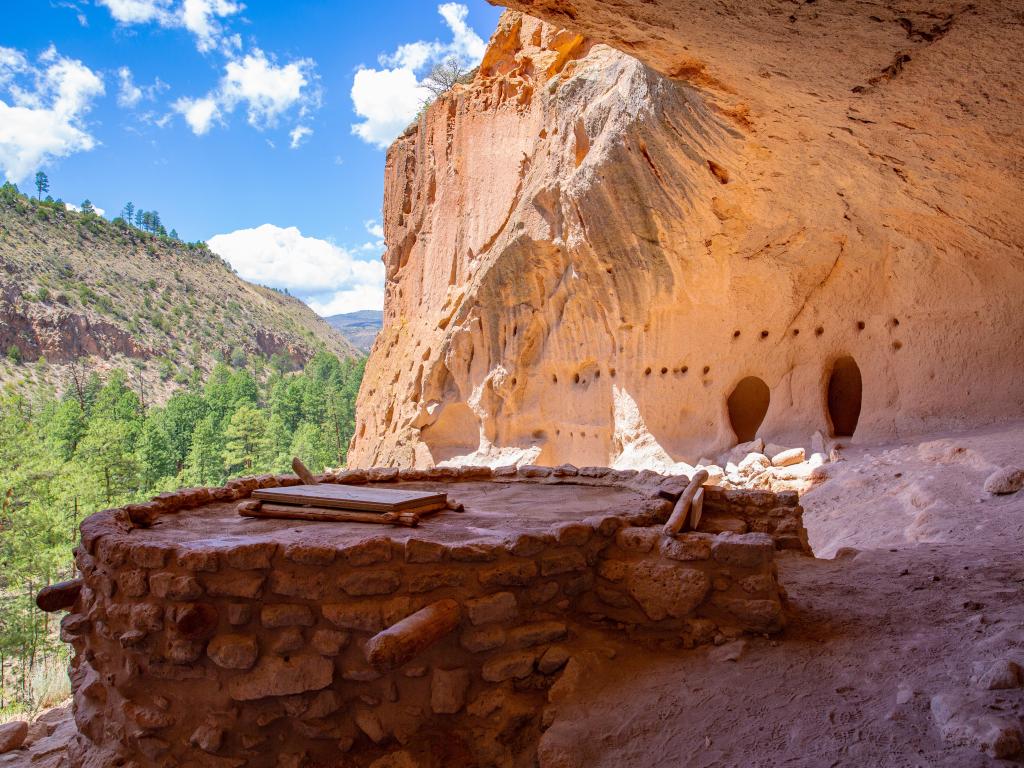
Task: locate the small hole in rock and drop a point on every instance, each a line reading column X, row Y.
column 647, row 372
column 818, row 331
column 796, row 331
column 897, row 345
column 664, row 371
column 860, row 325
column 735, row 334
column 576, row 378
column 707, row 369
column 764, row 334
column 684, row 369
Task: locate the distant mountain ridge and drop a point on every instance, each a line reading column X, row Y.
column 360, row 328
column 75, row 285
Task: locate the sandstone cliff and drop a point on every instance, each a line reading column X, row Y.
column 593, row 261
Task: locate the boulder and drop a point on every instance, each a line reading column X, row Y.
column 754, row 464
column 788, row 458
column 12, row 735
column 1004, row 481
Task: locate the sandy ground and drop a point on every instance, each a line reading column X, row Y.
column 934, row 596
column 928, row 595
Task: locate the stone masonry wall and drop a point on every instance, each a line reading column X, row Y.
column 252, row 654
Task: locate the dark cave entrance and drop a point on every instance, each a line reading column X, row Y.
column 845, row 390
column 748, row 405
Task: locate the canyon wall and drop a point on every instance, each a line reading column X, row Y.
column 587, row 253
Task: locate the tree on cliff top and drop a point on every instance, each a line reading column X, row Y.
column 444, row 76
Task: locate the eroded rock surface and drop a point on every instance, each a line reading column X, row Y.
column 587, row 255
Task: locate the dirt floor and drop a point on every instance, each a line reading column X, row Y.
column 890, row 657
column 879, row 638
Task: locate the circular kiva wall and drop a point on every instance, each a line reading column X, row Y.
column 202, row 638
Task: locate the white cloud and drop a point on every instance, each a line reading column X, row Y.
column 327, row 277
column 266, row 89
column 200, row 114
column 129, row 94
column 375, row 228
column 299, row 133
column 388, row 98
column 199, row 17
column 45, row 117
column 12, row 63
column 139, row 11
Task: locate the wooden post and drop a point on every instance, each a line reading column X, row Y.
column 304, row 474
column 403, row 641
column 681, row 510
column 59, row 597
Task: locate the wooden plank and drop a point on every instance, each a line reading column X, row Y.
column 322, row 515
column 359, row 499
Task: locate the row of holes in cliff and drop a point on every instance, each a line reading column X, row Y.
column 748, row 403
column 684, row 369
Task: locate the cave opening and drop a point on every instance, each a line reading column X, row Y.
column 748, row 405
column 845, row 390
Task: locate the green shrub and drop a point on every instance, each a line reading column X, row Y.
column 86, row 295
column 166, row 369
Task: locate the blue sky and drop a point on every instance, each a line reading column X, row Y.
column 256, row 126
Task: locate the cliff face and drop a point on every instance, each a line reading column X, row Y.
column 589, row 259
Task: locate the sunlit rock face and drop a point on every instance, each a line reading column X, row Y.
column 588, row 255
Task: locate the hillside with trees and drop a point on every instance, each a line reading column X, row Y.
column 129, row 294
column 63, row 457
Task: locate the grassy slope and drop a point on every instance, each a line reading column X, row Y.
column 72, row 284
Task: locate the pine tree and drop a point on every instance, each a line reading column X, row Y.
column 128, row 211
column 87, row 207
column 106, row 453
column 139, row 219
column 67, row 426
column 245, row 441
column 42, row 184
column 205, row 465
column 155, row 453
column 181, row 415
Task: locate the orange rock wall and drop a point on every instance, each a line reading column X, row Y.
column 586, row 255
